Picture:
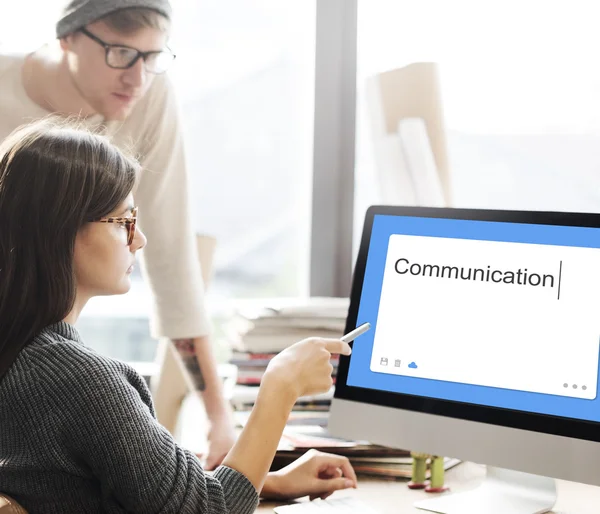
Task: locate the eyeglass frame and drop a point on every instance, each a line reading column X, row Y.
column 107, row 47
column 130, row 222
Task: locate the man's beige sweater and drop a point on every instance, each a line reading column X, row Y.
column 153, row 134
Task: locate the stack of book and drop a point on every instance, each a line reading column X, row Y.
column 259, row 331
column 269, row 327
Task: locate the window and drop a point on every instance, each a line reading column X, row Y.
column 520, row 93
column 246, row 81
column 245, row 78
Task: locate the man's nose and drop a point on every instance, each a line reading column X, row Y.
column 136, row 75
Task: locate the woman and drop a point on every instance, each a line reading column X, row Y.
column 77, row 429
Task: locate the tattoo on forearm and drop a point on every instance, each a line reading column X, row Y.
column 187, row 351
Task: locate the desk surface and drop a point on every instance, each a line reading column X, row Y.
column 393, row 497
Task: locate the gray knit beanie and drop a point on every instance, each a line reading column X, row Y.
column 78, row 13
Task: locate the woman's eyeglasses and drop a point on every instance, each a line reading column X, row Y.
column 123, row 57
column 129, row 222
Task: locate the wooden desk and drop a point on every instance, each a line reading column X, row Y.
column 393, row 497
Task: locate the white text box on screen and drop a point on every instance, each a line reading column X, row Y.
column 500, row 314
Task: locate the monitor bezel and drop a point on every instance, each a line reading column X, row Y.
column 543, row 423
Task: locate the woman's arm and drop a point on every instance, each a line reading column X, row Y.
column 302, row 369
column 255, row 448
column 109, row 425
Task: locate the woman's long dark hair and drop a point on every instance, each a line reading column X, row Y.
column 54, row 178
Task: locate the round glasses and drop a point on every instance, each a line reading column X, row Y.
column 123, row 57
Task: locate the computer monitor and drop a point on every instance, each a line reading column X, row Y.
column 484, row 346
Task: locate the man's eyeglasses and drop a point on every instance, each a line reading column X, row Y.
column 130, row 223
column 123, row 57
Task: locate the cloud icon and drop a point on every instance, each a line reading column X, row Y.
column 413, row 365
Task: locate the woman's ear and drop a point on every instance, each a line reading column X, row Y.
column 66, row 42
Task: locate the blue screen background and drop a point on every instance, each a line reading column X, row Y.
column 359, row 374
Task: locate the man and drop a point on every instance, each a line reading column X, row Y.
column 107, row 67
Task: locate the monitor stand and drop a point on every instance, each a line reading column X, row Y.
column 502, row 492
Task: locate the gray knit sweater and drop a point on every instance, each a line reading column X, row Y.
column 78, row 434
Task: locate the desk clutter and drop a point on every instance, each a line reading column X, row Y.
column 257, row 333
column 306, row 430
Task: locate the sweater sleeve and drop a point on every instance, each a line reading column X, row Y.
column 170, row 259
column 109, row 426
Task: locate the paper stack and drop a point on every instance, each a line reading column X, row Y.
column 259, row 331
column 273, row 326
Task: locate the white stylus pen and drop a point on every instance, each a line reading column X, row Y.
column 351, row 336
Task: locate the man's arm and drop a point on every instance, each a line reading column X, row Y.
column 187, row 351
column 205, row 378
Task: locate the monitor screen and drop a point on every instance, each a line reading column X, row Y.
column 490, row 310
